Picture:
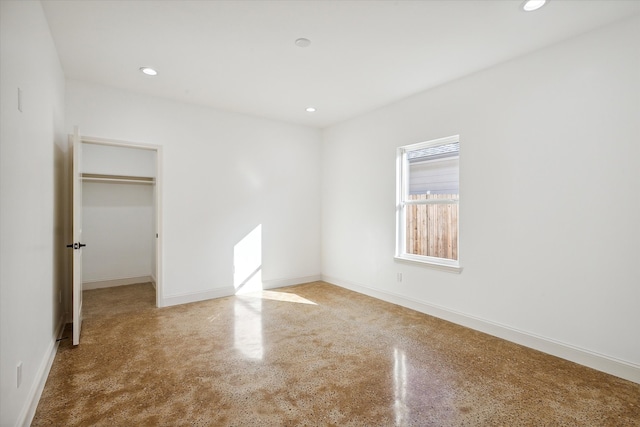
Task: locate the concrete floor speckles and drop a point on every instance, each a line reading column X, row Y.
column 310, row 355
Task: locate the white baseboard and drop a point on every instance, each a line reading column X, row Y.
column 197, row 296
column 610, row 365
column 98, row 284
column 33, row 398
column 282, row 283
column 230, row 290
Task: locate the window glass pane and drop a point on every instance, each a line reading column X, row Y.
column 434, row 177
column 432, row 230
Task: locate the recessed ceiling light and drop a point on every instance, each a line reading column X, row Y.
column 531, row 5
column 148, row 71
column 302, row 42
column 311, row 109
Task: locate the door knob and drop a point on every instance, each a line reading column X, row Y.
column 76, row 245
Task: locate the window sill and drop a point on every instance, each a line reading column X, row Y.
column 431, row 264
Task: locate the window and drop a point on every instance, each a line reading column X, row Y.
column 427, row 202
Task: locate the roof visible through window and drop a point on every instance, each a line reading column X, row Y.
column 432, row 153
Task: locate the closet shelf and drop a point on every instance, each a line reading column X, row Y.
column 93, row 177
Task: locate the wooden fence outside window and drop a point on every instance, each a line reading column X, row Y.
column 432, row 230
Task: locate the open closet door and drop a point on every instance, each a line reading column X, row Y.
column 77, row 244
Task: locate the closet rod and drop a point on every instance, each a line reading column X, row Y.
column 117, row 178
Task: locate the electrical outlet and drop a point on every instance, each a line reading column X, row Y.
column 399, row 277
column 19, row 374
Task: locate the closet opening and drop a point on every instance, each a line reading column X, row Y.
column 120, row 211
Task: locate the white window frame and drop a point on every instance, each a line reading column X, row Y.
column 402, row 200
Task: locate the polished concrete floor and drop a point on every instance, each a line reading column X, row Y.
column 310, row 355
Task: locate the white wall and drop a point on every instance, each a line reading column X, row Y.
column 550, row 200
column 115, row 160
column 223, row 175
column 117, row 227
column 32, row 187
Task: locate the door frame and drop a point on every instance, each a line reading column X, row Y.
column 157, row 199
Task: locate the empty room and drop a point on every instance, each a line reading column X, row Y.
column 320, row 213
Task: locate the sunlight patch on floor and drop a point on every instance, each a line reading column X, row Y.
column 280, row 296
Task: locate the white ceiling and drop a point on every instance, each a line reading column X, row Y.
column 240, row 55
